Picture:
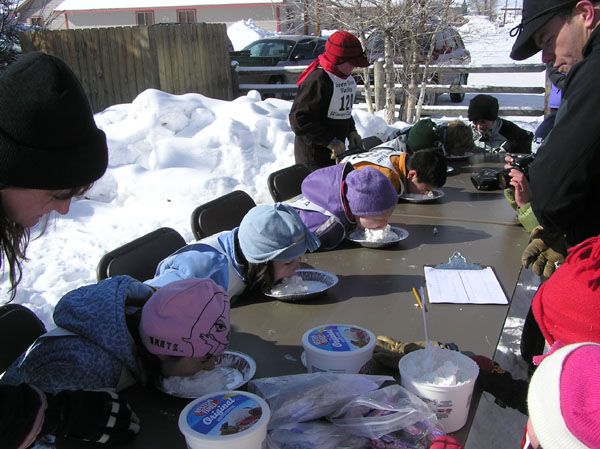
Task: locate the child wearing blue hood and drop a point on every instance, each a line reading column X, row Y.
column 264, row 249
column 336, row 200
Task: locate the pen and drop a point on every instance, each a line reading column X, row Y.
column 416, row 295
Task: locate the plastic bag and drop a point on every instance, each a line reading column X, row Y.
column 392, row 417
column 304, row 397
column 313, row 435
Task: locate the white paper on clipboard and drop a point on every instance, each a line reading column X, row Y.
column 458, row 286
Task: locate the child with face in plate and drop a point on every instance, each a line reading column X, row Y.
column 264, row 249
column 120, row 331
column 337, row 200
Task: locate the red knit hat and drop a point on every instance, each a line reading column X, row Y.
column 343, row 46
column 567, row 305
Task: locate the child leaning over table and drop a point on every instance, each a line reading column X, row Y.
column 120, row 331
column 264, row 249
column 419, row 172
column 336, row 200
column 454, row 137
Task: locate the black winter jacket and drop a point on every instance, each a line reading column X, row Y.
column 565, row 176
column 309, row 121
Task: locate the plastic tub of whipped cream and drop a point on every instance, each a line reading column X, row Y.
column 225, row 420
column 338, row 348
column 443, row 378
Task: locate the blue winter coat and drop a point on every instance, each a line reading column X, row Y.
column 100, row 354
column 325, row 188
column 212, row 257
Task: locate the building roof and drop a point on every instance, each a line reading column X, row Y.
column 104, row 5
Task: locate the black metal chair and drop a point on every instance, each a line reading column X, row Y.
column 140, row 257
column 19, row 327
column 287, row 182
column 221, row 214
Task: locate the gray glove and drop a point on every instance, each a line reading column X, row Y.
column 545, row 252
column 337, row 147
column 355, row 141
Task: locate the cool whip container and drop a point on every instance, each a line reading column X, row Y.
column 338, row 348
column 451, row 398
column 225, row 420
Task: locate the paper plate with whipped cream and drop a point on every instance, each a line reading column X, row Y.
column 233, row 369
column 378, row 238
column 305, row 284
column 432, row 195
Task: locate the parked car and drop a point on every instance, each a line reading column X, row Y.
column 449, row 50
column 285, row 50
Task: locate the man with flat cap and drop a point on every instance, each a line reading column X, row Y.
column 565, row 176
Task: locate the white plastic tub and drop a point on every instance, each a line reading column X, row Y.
column 451, row 396
column 225, row 420
column 338, row 348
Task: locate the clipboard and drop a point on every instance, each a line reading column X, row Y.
column 462, row 282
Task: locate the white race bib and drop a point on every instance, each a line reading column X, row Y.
column 340, row 105
column 380, row 156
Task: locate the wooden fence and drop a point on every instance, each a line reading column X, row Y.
column 377, row 88
column 115, row 64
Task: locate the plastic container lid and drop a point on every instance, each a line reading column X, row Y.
column 227, row 417
column 339, row 339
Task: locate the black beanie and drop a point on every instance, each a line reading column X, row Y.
column 483, row 107
column 48, row 137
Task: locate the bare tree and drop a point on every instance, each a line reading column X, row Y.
column 405, row 31
column 9, row 33
column 487, row 8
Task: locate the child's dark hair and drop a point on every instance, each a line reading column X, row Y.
column 431, row 166
column 258, row 276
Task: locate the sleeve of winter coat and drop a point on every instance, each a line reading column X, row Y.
column 565, row 175
column 21, row 415
column 308, row 116
column 518, row 140
column 527, row 218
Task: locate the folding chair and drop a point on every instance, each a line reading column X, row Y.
column 221, row 214
column 19, row 327
column 140, row 257
column 287, row 182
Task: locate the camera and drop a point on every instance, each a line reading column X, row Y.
column 487, row 179
column 520, row 162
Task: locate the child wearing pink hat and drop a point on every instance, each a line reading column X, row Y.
column 564, row 400
column 321, row 114
column 120, row 331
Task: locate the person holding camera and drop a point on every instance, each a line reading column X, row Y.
column 494, row 132
column 565, row 177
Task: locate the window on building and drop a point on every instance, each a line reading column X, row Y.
column 36, row 22
column 144, row 18
column 186, row 16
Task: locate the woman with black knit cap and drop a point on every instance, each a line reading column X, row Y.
column 321, row 115
column 50, row 151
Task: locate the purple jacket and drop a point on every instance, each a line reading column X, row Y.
column 325, row 188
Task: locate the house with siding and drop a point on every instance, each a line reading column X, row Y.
column 74, row 14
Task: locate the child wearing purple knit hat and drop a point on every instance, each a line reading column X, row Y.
column 336, row 200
